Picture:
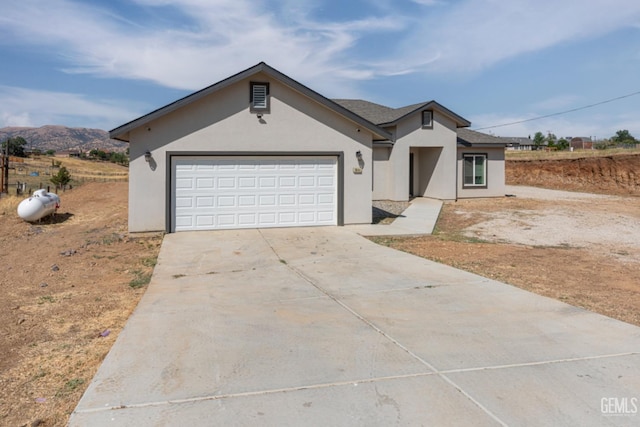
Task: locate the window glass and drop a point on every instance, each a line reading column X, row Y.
column 475, row 170
column 427, row 118
column 479, row 170
column 468, row 170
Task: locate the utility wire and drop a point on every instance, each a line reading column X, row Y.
column 562, row 112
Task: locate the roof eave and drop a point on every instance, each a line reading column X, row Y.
column 481, row 144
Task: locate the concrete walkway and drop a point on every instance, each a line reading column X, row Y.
column 321, row 327
column 418, row 219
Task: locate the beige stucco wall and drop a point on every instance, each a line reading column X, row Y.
column 495, row 173
column 434, row 158
column 222, row 123
column 381, row 164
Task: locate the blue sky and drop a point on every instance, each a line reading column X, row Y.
column 103, row 63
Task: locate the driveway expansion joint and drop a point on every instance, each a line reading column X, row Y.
column 388, row 337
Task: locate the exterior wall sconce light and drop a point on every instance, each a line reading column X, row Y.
column 147, row 156
column 359, row 155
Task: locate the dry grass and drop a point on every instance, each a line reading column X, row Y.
column 9, row 204
column 80, row 170
column 576, row 154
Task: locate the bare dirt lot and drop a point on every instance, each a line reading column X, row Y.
column 580, row 248
column 68, row 286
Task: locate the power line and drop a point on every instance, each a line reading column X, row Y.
column 562, row 112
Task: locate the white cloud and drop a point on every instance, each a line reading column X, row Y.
column 212, row 40
column 202, row 41
column 472, row 35
column 28, row 107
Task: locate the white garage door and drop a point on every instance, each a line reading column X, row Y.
column 253, row 192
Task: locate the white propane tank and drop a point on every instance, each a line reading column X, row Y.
column 39, row 205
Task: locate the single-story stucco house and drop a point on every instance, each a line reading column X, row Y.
column 259, row 149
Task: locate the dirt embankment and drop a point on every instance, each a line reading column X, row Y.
column 618, row 174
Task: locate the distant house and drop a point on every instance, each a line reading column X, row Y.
column 581, row 143
column 521, row 143
column 69, row 153
column 260, row 149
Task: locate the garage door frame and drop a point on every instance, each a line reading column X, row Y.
column 339, row 155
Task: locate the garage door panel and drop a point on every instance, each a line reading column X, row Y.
column 267, row 182
column 267, row 219
column 267, row 200
column 307, row 217
column 184, row 202
column 287, row 218
column 247, row 182
column 204, row 201
column 247, row 201
column 307, row 199
column 326, row 181
column 226, row 183
column 307, row 181
column 214, row 192
column 247, row 219
column 204, row 220
column 287, row 200
column 227, row 202
column 186, row 183
column 287, row 182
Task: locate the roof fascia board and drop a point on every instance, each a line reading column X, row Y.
column 480, row 145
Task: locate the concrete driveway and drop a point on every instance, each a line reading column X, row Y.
column 319, row 326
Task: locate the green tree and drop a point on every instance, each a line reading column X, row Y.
column 62, row 178
column 16, row 146
column 562, row 144
column 551, row 139
column 119, row 158
column 538, row 139
column 50, row 152
column 623, row 137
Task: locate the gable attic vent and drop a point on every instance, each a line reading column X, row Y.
column 259, row 96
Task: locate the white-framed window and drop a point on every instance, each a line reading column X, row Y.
column 259, row 96
column 427, row 119
column 474, row 170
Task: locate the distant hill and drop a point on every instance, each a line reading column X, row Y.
column 62, row 138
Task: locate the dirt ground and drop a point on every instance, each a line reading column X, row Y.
column 615, row 173
column 580, row 249
column 68, row 286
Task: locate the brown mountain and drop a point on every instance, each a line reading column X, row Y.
column 62, row 138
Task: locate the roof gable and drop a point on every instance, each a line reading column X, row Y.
column 122, row 132
column 387, row 116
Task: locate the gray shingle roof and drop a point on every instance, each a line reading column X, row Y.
column 383, row 115
column 472, row 137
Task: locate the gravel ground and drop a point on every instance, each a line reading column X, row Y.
column 581, row 220
column 385, row 211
